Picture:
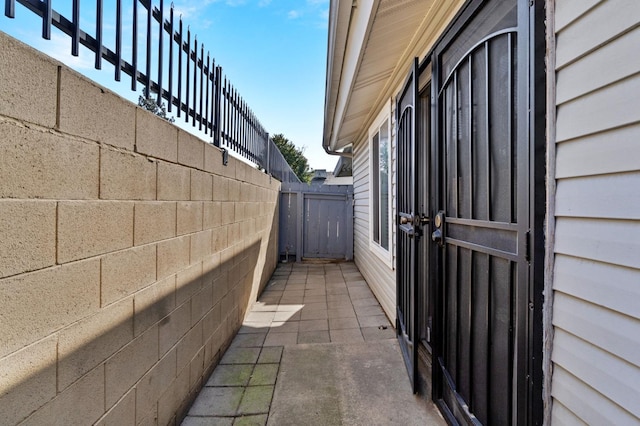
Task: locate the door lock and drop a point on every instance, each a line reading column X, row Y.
column 438, row 234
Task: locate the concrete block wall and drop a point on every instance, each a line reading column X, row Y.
column 128, row 253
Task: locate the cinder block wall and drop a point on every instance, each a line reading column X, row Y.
column 128, row 253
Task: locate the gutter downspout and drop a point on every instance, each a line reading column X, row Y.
column 341, row 154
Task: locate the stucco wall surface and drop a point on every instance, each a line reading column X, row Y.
column 128, row 253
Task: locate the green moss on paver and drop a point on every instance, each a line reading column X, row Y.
column 207, row 421
column 270, row 355
column 235, row 355
column 256, row 400
column 354, row 383
column 258, row 420
column 217, row 402
column 264, row 374
column 231, row 375
column 281, row 339
column 251, row 340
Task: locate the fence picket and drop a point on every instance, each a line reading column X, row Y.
column 215, row 105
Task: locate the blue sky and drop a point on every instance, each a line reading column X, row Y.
column 273, row 51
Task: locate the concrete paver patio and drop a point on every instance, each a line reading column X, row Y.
column 316, row 349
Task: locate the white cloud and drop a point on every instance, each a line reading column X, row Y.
column 59, row 47
column 234, row 3
column 185, row 11
column 312, row 13
column 231, row 3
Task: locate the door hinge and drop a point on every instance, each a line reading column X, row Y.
column 527, row 252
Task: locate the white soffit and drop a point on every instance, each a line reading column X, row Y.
column 391, row 27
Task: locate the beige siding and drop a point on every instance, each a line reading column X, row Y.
column 593, row 409
column 379, row 276
column 596, row 314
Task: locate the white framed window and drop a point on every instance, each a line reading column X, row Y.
column 380, row 187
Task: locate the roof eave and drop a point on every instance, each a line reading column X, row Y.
column 340, row 12
column 354, row 20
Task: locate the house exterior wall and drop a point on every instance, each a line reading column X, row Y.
column 381, row 276
column 596, row 314
column 378, row 271
column 128, row 253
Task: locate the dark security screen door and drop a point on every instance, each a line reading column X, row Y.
column 482, row 228
column 407, row 230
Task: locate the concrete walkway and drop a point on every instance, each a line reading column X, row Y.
column 316, row 349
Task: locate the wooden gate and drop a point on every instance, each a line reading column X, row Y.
column 316, row 222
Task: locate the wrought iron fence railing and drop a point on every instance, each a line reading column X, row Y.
column 195, row 86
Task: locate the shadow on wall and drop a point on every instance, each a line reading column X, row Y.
column 151, row 364
column 80, row 341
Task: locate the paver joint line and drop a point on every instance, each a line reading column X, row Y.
column 304, row 308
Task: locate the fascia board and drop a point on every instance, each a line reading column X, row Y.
column 339, row 18
column 359, row 28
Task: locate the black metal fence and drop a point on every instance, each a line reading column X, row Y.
column 195, row 85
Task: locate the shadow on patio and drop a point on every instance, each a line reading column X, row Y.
column 316, row 349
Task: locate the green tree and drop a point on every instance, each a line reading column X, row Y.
column 294, row 156
column 150, row 104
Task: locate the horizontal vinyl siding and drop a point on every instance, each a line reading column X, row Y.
column 381, row 278
column 573, row 396
column 599, row 325
column 599, row 154
column 596, row 313
column 595, row 71
column 599, row 196
column 582, row 278
column 611, row 377
column 564, row 416
column 584, row 29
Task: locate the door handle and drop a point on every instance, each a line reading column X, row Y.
column 415, row 220
column 436, row 236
